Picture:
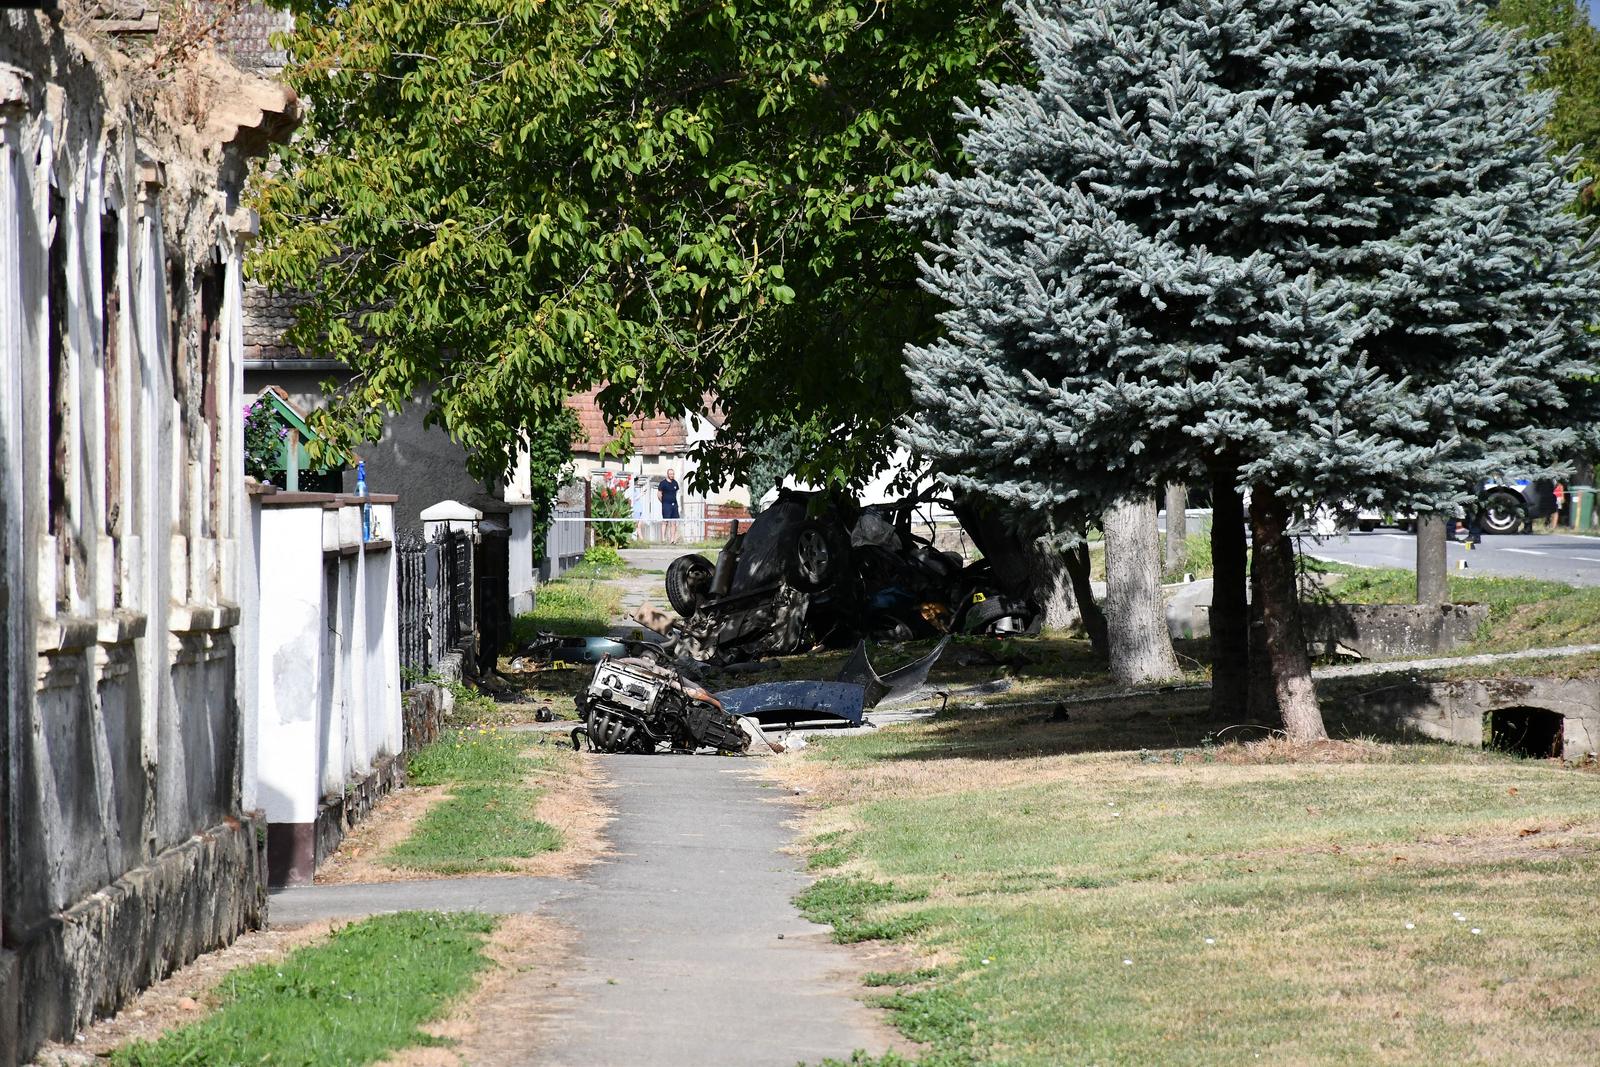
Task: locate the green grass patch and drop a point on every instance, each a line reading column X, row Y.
column 851, row 906
column 352, row 999
column 1094, row 907
column 1523, row 612
column 575, row 607
column 480, row 828
column 487, row 821
column 473, row 754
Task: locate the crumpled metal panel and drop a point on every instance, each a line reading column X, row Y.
column 773, row 703
column 902, row 683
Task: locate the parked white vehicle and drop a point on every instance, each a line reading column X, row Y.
column 1508, row 507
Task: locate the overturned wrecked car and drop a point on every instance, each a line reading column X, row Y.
column 637, row 704
column 821, row 570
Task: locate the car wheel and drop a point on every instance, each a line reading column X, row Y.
column 820, row 552
column 688, row 581
column 1503, row 513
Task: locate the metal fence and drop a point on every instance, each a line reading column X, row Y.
column 453, row 620
column 416, row 657
column 565, row 542
column 437, row 601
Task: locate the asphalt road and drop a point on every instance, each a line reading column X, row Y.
column 1557, row 557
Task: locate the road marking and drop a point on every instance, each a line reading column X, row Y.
column 1525, row 551
column 1588, row 559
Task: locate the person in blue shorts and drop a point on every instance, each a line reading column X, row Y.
column 667, row 490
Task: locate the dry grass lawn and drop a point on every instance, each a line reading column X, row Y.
column 1119, row 888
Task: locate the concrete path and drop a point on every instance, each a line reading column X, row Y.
column 689, row 950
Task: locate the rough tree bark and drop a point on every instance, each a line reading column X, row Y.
column 1230, row 620
column 1076, row 559
column 1263, row 696
column 1433, row 577
column 1141, row 648
column 1052, row 585
column 1177, row 529
column 1280, row 617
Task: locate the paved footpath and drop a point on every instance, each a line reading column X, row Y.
column 690, row 951
column 688, row 948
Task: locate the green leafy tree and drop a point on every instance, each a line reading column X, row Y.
column 508, row 202
column 1317, row 249
column 1571, row 54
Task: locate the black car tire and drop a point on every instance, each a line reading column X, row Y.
column 688, row 582
column 1503, row 513
column 985, row 613
column 821, row 554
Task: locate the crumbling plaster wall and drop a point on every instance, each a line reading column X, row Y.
column 125, row 852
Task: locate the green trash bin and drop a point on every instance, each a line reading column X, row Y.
column 1580, row 506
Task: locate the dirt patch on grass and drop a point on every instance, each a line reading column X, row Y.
column 1283, row 750
column 570, row 800
column 183, row 997
column 498, row 1021
column 360, row 855
column 1530, row 842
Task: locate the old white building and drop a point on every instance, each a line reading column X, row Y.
column 125, row 849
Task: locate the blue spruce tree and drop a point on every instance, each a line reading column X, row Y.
column 1315, row 251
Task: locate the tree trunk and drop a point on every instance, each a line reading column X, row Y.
column 1076, row 559
column 1263, row 697
column 1052, row 585
column 1230, row 620
column 1280, row 617
column 1433, row 576
column 1141, row 648
column 1177, row 529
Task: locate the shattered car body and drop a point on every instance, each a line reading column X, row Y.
column 637, row 705
column 858, row 688
column 819, row 570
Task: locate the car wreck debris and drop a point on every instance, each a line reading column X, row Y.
column 636, row 705
column 815, row 569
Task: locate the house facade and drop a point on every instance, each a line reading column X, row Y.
column 126, row 850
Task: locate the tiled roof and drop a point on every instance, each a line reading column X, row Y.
column 267, row 315
column 246, row 37
column 651, row 437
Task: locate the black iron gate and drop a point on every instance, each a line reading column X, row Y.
column 416, row 657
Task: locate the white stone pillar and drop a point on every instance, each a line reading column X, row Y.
column 290, row 686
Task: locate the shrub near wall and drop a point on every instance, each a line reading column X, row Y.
column 609, row 502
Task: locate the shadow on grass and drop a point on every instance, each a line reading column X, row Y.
column 1071, row 717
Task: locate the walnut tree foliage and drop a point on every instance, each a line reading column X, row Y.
column 1320, row 245
column 1570, row 45
column 508, row 202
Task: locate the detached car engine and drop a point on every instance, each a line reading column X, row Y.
column 634, row 704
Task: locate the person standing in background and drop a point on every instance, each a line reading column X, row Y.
column 668, row 492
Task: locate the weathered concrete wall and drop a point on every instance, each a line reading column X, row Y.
column 1390, row 631
column 1458, row 711
column 87, row 960
column 120, row 250
column 426, row 709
